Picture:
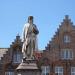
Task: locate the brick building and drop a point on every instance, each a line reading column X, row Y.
column 57, row 59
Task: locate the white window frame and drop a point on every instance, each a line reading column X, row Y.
column 67, row 39
column 67, row 54
column 59, row 70
column 9, row 73
column 72, row 70
column 45, row 70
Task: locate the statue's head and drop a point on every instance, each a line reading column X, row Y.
column 30, row 19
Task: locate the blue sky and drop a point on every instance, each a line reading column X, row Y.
column 48, row 14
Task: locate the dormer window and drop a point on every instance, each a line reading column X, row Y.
column 67, row 39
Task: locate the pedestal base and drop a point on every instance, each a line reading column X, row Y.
column 28, row 67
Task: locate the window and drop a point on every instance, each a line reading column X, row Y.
column 72, row 70
column 45, row 70
column 9, row 73
column 59, row 70
column 67, row 39
column 17, row 57
column 19, row 74
column 66, row 54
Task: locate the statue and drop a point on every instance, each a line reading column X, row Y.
column 30, row 32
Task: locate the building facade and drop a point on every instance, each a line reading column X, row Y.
column 58, row 58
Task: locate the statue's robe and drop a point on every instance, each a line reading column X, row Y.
column 29, row 40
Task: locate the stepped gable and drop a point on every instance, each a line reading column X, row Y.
column 65, row 26
column 15, row 46
column 6, row 53
column 17, row 42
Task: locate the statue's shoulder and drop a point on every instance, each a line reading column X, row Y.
column 26, row 25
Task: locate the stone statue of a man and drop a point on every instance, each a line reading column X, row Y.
column 30, row 32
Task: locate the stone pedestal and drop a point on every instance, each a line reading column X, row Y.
column 28, row 67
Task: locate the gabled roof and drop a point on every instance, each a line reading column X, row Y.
column 65, row 26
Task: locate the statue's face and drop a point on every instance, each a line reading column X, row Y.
column 30, row 19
